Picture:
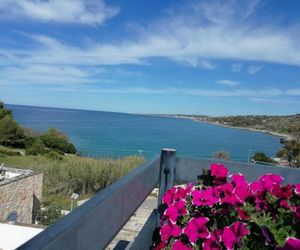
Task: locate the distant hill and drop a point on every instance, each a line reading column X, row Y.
column 281, row 125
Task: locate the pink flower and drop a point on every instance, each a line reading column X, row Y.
column 168, row 197
column 175, row 194
column 212, row 243
column 282, row 192
column 169, row 230
column 160, row 246
column 228, row 194
column 178, row 245
column 196, row 229
column 206, row 197
column 241, row 193
column 233, row 234
column 218, row 170
column 268, row 181
column 243, row 214
column 296, row 210
column 241, row 187
column 239, row 179
column 255, row 187
column 285, row 204
column 297, row 189
column 261, row 202
column 180, row 193
column 291, row 243
column 176, row 210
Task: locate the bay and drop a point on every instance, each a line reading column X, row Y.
column 108, row 134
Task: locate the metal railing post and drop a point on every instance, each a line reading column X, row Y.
column 166, row 175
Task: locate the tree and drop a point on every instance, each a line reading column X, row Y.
column 37, row 147
column 58, row 141
column 262, row 157
column 222, row 155
column 294, row 130
column 4, row 112
column 11, row 134
column 290, row 152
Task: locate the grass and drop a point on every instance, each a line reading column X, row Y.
column 9, row 151
column 81, row 175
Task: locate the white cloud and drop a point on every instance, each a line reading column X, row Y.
column 293, row 92
column 252, row 94
column 236, row 67
column 207, row 64
column 45, row 74
column 197, row 35
column 209, row 32
column 253, row 69
column 197, row 39
column 62, row 11
column 228, row 83
column 274, row 100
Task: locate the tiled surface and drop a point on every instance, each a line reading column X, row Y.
column 135, row 223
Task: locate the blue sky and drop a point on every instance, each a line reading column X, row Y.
column 171, row 56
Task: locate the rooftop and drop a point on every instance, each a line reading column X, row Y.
column 19, row 234
column 8, row 175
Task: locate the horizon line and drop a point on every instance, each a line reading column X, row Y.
column 129, row 113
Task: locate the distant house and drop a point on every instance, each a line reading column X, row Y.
column 20, row 194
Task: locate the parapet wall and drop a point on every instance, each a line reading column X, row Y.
column 21, row 195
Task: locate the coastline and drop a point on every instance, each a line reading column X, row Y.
column 284, row 136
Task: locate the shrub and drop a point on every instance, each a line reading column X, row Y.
column 262, row 157
column 9, row 152
column 290, row 152
column 49, row 215
column 54, row 156
column 222, row 155
column 36, row 148
column 4, row 112
column 11, row 134
column 31, row 136
column 57, row 141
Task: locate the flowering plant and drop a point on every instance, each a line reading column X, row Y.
column 224, row 211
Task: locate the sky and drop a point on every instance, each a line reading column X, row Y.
column 174, row 56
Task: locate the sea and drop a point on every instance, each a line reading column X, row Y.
column 106, row 134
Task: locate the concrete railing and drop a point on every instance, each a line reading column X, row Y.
column 94, row 224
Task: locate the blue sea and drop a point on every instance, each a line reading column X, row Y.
column 107, row 134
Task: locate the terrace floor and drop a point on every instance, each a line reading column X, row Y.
column 131, row 229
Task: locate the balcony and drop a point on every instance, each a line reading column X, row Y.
column 94, row 224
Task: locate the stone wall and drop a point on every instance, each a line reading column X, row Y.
column 22, row 195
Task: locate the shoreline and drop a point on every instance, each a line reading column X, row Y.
column 284, row 136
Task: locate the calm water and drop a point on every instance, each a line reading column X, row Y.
column 115, row 134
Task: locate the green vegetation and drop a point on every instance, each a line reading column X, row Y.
column 9, row 151
column 52, row 141
column 64, row 172
column 11, row 134
column 81, row 175
column 291, row 152
column 289, row 124
column 49, row 215
column 57, row 141
column 221, row 155
column 4, row 112
column 279, row 124
column 262, row 157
